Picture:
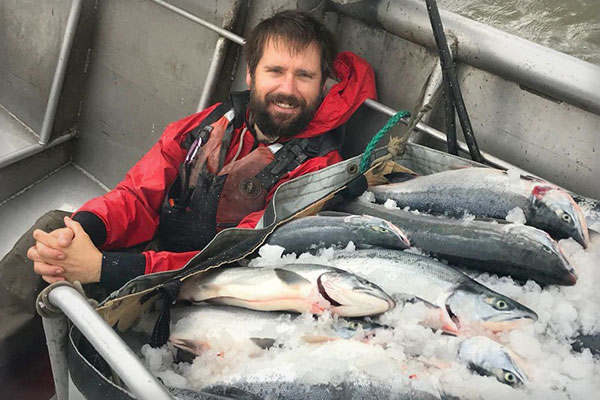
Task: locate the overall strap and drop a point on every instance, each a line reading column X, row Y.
column 238, row 101
column 295, row 152
column 199, row 130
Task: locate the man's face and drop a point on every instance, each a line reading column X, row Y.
column 286, row 89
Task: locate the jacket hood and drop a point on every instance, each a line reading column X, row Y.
column 356, row 83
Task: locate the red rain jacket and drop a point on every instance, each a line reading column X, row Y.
column 130, row 212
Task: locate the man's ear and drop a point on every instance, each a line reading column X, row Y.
column 329, row 82
column 248, row 77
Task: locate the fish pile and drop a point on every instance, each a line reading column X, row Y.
column 340, row 306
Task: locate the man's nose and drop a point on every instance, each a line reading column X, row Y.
column 288, row 84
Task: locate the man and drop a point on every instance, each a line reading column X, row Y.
column 217, row 168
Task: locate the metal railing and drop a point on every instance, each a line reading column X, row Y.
column 53, row 98
column 62, row 298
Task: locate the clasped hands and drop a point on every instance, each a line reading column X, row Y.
column 65, row 254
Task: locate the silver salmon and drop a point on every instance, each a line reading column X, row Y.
column 486, row 192
column 305, row 234
column 198, row 328
column 490, row 358
column 467, row 303
column 299, row 288
column 520, row 251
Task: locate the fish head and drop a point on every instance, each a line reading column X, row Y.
column 538, row 247
column 435, row 317
column 472, row 304
column 352, row 296
column 358, row 328
column 377, row 232
column 555, row 211
column 490, row 358
column 193, row 346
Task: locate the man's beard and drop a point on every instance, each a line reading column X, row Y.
column 280, row 124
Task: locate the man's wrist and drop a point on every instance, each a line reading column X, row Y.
column 119, row 268
column 92, row 225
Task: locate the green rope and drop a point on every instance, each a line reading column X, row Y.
column 364, row 162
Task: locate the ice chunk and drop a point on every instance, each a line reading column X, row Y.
column 390, row 204
column 468, row 217
column 516, row 216
column 172, row 379
column 271, row 252
column 367, row 197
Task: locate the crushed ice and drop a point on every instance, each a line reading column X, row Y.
column 516, row 216
column 410, row 353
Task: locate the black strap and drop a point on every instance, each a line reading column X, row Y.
column 213, row 116
column 237, row 100
column 162, row 327
column 295, row 152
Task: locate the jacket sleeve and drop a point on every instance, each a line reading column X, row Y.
column 118, row 268
column 129, row 214
column 159, row 261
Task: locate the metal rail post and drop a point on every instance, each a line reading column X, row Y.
column 218, row 57
column 59, row 73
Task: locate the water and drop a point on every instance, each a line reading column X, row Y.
column 569, row 26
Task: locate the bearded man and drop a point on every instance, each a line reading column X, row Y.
column 217, row 168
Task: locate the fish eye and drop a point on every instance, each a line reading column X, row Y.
column 510, row 378
column 354, row 325
column 566, row 217
column 363, row 282
column 546, row 249
column 379, row 229
column 500, row 305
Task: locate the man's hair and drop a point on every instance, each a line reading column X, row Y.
column 299, row 29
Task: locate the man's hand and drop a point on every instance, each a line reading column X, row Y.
column 56, row 242
column 66, row 254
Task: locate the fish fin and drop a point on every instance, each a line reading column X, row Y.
column 230, row 392
column 397, row 177
column 531, row 178
column 459, row 167
column 594, row 241
column 403, row 299
column 191, row 346
column 312, row 339
column 333, row 214
column 185, row 356
column 290, row 277
column 263, row 343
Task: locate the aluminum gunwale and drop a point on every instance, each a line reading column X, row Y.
column 60, row 72
column 108, row 343
column 549, row 72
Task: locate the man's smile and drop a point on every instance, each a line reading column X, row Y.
column 284, row 108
